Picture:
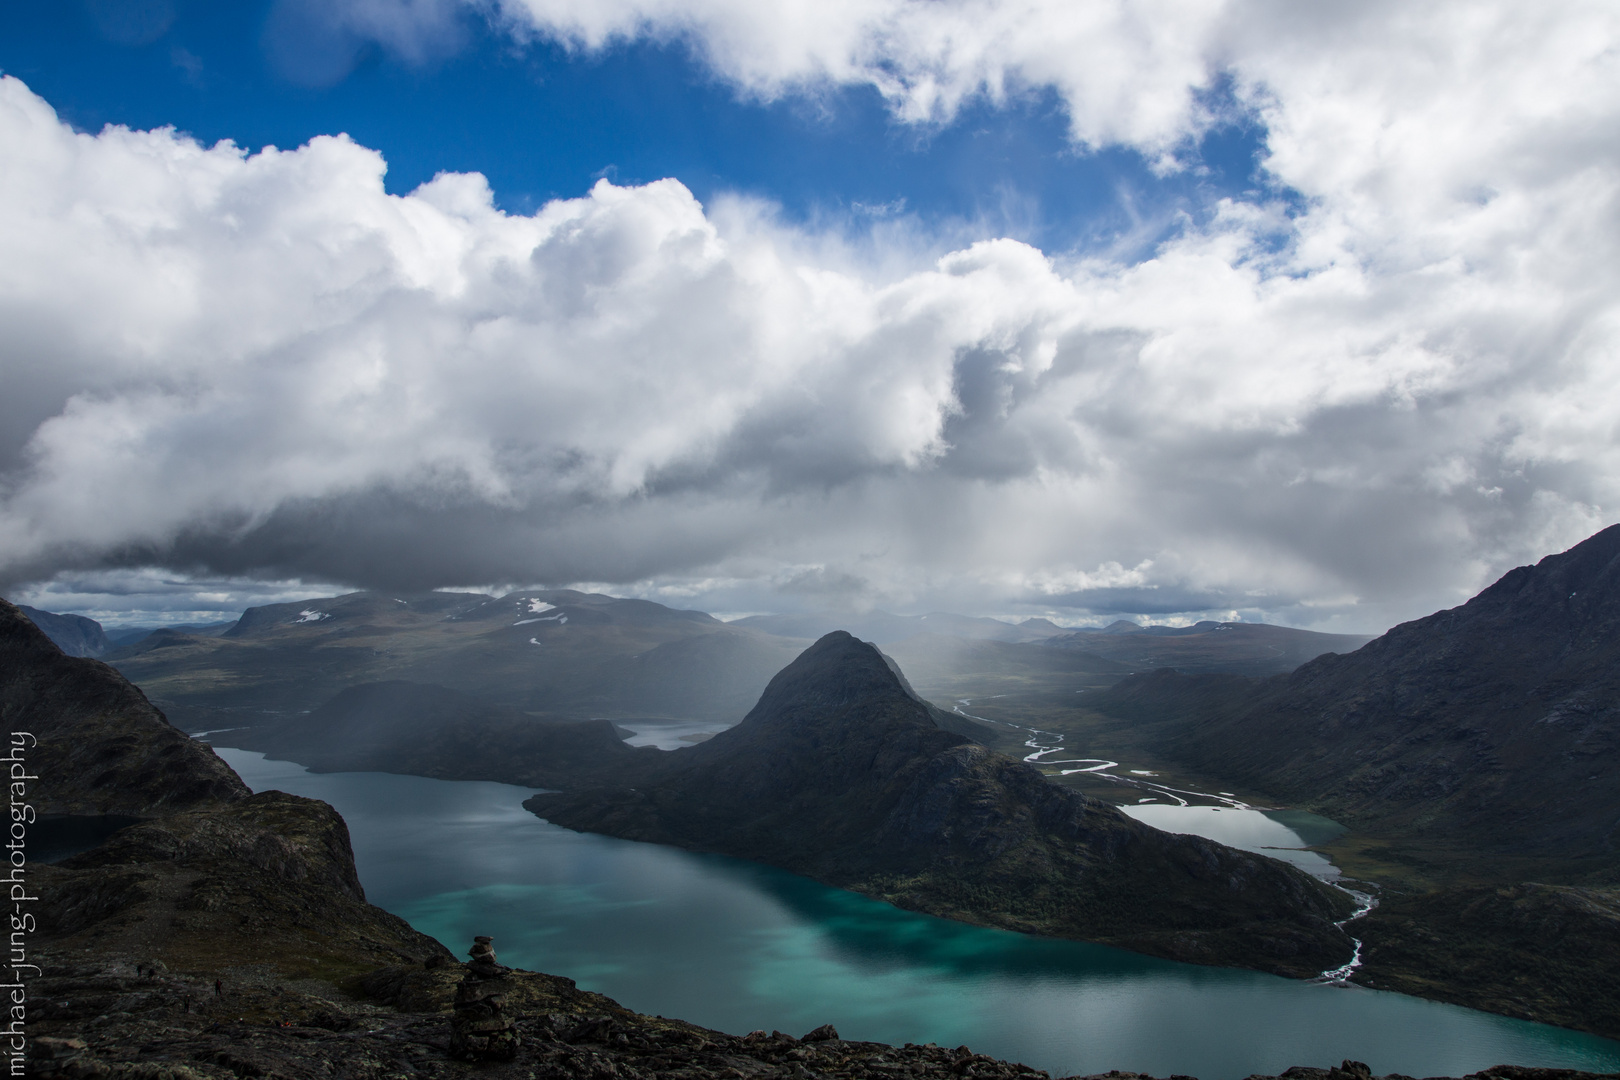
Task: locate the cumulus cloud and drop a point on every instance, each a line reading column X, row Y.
column 1130, row 71
column 1341, row 409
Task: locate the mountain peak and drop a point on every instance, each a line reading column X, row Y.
column 838, row 670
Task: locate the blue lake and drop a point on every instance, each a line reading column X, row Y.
column 739, row 946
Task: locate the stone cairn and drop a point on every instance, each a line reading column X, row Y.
column 478, row 1031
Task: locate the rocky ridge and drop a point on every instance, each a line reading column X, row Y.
column 99, row 746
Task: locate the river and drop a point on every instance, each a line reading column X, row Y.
column 738, row 946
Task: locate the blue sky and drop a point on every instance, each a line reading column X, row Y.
column 544, row 121
column 1172, row 309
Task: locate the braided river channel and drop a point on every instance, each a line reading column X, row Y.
column 739, row 946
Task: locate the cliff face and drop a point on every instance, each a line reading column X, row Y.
column 75, row 635
column 99, row 747
column 267, row 880
column 840, row 774
column 1495, row 724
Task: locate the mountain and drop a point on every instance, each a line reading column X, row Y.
column 1236, row 647
column 75, row 635
column 1476, row 754
column 1493, row 727
column 102, row 745
column 425, row 730
column 840, row 774
column 882, row 628
column 559, row 653
column 203, row 873
column 128, row 635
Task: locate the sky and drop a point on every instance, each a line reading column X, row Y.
column 1155, row 309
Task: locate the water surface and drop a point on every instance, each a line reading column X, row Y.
column 739, row 946
column 1281, row 834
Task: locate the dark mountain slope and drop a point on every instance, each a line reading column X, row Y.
column 97, row 744
column 1494, row 726
column 215, row 876
column 425, row 730
column 840, row 774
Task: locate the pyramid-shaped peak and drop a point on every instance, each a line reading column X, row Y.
column 837, row 668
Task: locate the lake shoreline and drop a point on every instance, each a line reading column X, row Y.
column 844, row 956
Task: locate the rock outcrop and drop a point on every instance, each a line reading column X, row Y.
column 840, row 774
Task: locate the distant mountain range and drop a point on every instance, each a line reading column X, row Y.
column 882, row 628
column 1242, row 648
column 562, row 654
column 559, row 654
column 77, row 635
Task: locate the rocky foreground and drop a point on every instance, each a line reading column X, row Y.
column 107, row 1017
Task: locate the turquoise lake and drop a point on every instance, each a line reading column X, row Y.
column 739, row 946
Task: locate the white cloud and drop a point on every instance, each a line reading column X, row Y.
column 1355, row 409
column 1127, row 69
